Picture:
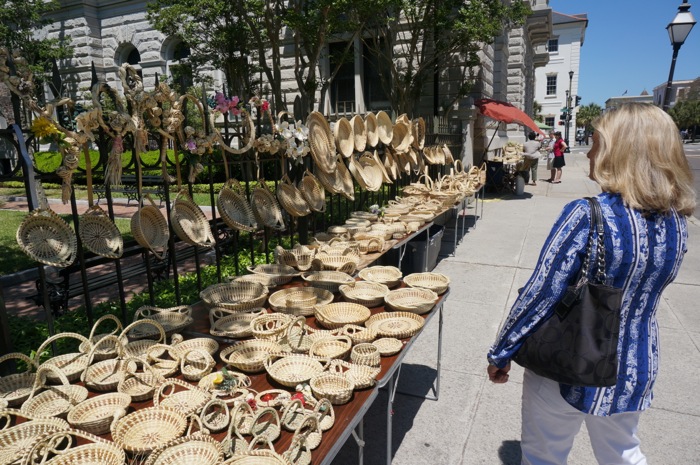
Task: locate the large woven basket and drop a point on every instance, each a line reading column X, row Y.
column 180, row 396
column 401, row 137
column 54, row 401
column 236, row 296
column 313, row 192
column 16, row 387
column 336, row 388
column 223, row 323
column 189, row 222
column 385, row 128
column 17, row 441
column 396, row 324
column 96, row 414
column 372, row 129
column 320, row 139
column 299, row 301
column 249, row 356
column 348, row 187
column 144, row 430
column 150, row 228
column 198, row 448
column 89, row 449
column 291, row 199
column 390, row 276
column 359, row 132
column 338, row 314
column 436, row 282
column 344, row 137
column 291, row 370
column 372, row 172
column 47, row 238
column 331, row 182
column 234, row 208
column 70, row 365
column 364, row 293
column 99, row 234
column 172, row 320
column 266, row 208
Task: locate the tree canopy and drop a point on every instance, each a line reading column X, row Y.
column 587, row 114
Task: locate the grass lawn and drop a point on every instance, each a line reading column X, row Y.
column 81, row 194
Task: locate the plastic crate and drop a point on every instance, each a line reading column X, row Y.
column 414, row 261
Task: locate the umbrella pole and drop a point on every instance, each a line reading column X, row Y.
column 486, row 150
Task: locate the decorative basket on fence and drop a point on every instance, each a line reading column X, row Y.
column 400, row 325
column 344, row 137
column 189, row 221
column 336, row 388
column 331, row 182
column 249, row 356
column 359, row 133
column 348, row 187
column 313, row 192
column 99, row 234
column 150, row 228
column 372, row 129
column 47, row 238
column 320, row 139
column 419, row 133
column 266, row 209
column 236, row 296
column 16, row 387
column 96, row 414
column 234, row 208
column 339, row 314
column 372, row 172
column 364, row 293
column 291, row 199
column 436, row 282
column 401, row 137
column 16, row 441
column 385, row 128
column 144, row 430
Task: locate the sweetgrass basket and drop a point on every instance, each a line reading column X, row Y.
column 189, row 221
column 366, row 354
column 235, row 296
column 436, row 282
column 139, row 385
column 293, row 414
column 414, row 300
column 280, row 274
column 291, row 370
column 334, row 387
column 88, row 449
column 17, row 441
column 344, row 137
column 320, row 140
column 47, row 238
column 199, row 448
column 359, row 334
column 266, row 424
column 195, row 364
column 249, row 356
column 144, row 430
column 270, row 326
column 385, row 128
column 400, row 325
column 236, row 325
column 150, row 228
column 327, row 279
column 273, row 398
column 341, row 263
column 362, row 376
column 298, row 257
column 291, row 199
column 107, row 350
column 312, row 191
column 99, row 234
column 139, row 347
column 364, row 293
column 266, row 280
column 359, row 132
column 215, row 415
column 70, row 365
column 234, row 208
column 299, row 301
column 180, row 396
column 54, row 401
column 171, row 319
column 105, row 374
column 372, row 130
column 96, row 414
column 16, row 387
column 163, row 359
column 390, row 276
column 388, row 346
column 206, row 344
column 338, row 314
column 331, row 347
column 266, row 209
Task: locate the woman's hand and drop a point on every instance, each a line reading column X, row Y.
column 498, row 375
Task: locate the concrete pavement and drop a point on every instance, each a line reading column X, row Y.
column 477, row 422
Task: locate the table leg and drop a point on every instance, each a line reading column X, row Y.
column 391, row 391
column 359, row 435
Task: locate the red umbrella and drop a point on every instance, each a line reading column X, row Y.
column 505, row 112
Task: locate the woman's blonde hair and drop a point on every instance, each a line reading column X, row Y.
column 640, row 156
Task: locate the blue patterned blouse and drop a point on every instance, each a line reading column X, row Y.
column 643, row 254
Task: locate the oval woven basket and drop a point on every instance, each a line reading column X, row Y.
column 249, row 356
column 299, row 301
column 401, row 137
column 236, row 296
column 388, row 346
column 279, row 273
column 414, row 300
column 291, row 370
column 234, row 208
column 291, row 199
column 96, row 414
column 266, row 209
column 344, row 137
column 359, row 132
column 313, row 192
column 396, row 324
column 385, row 128
column 331, row 347
column 70, row 365
column 372, row 172
column 16, row 387
column 138, row 348
column 105, row 351
column 331, row 182
column 203, row 343
column 390, row 276
column 362, row 376
column 47, row 238
column 436, row 282
column 74, row 447
column 364, row 293
column 215, row 415
column 17, row 441
column 336, row 388
column 299, row 257
column 180, row 396
column 197, row 448
column 270, row 326
column 236, row 325
column 189, row 222
column 338, row 314
column 171, row 319
column 195, row 364
column 359, row 334
column 339, row 263
column 139, row 385
column 52, row 401
column 372, row 129
column 348, row 187
column 320, row 138
column 150, row 228
column 144, row 430
column 105, row 374
column 99, row 234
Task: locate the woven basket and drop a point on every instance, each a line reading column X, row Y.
column 270, row 326
column 253, row 456
column 195, row 364
column 46, row 237
column 171, row 319
column 99, row 234
column 139, row 385
column 266, row 424
column 249, row 356
column 89, row 450
column 390, row 276
column 320, row 139
column 291, row 370
column 359, row 133
column 418, row 133
column 331, row 347
column 414, row 300
column 299, row 257
column 303, row 441
column 300, row 301
column 336, row 388
column 138, row 348
column 364, row 293
column 331, row 182
column 54, row 401
column 198, row 448
column 236, row 325
column 348, row 187
column 343, row 264
column 163, row 359
column 361, row 376
column 338, row 314
column 293, row 414
column 401, row 137
column 189, row 221
column 105, row 374
column 266, row 209
column 344, row 137
column 215, row 415
column 280, row 274
column 70, row 365
column 366, row 354
column 144, row 430
column 236, row 296
column 371, row 172
column 203, row 343
column 150, row 228
column 106, row 351
column 359, row 334
column 234, row 444
column 312, row 191
column 234, row 208
column 291, row 199
column 266, row 280
column 17, row 441
column 16, row 387
column 436, row 282
column 371, row 245
column 388, row 346
column 298, row 337
column 180, row 396
column 95, row 415
column 372, row 129
column 400, row 325
column 385, row 128
column 273, row 398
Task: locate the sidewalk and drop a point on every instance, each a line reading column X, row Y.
column 477, row 422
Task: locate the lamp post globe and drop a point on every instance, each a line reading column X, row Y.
column 678, row 31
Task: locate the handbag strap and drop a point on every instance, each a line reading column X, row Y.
column 596, row 237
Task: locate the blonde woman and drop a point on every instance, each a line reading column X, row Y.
column 637, row 159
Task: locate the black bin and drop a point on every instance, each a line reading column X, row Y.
column 414, row 261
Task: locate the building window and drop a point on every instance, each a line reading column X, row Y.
column 375, row 95
column 178, row 66
column 552, row 85
column 553, row 45
column 549, row 121
column 343, row 85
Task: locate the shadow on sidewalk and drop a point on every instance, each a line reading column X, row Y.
column 510, row 453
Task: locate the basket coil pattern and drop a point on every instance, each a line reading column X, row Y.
column 291, row 370
column 270, row 326
column 436, row 282
column 362, row 376
column 366, row 354
column 344, row 137
column 249, row 356
column 180, row 396
column 234, row 209
column 236, row 296
column 195, row 364
column 189, row 222
column 53, row 401
column 313, row 192
column 359, row 132
column 69, row 365
column 364, row 293
column 320, row 138
column 95, row 415
column 99, row 234
column 388, row 346
column 399, row 325
column 197, row 448
column 139, row 385
column 372, row 129
column 390, row 276
column 171, row 319
column 266, row 209
column 16, row 387
column 336, row 388
column 223, row 323
column 150, row 228
column 59, row 446
column 359, row 334
column 145, row 430
column 339, row 314
column 279, row 274
column 291, row 198
column 300, row 301
column 47, row 238
column 414, row 300
column 331, row 347
column 17, row 441
column 385, row 128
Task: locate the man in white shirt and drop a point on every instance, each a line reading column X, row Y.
column 531, row 152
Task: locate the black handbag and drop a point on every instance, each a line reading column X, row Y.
column 577, row 345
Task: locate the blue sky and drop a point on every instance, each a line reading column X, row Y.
column 627, row 46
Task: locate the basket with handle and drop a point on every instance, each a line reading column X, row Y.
column 70, row 365
column 46, row 238
column 291, row 199
column 180, row 396
column 199, row 448
column 361, row 376
column 106, row 351
column 388, row 346
column 359, row 334
column 150, row 228
column 312, row 191
column 17, row 441
column 189, row 221
column 172, row 320
column 95, row 415
column 266, row 209
column 104, row 375
column 266, row 424
column 215, row 415
column 270, row 326
column 234, row 208
column 306, row 438
column 144, row 430
column 163, row 359
column 46, row 401
column 299, row 300
column 138, row 347
column 74, row 447
column 258, row 455
column 139, row 385
column 16, row 387
column 249, row 356
column 195, row 364
column 299, row 257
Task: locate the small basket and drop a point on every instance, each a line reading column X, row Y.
column 400, row 325
column 140, row 386
column 225, row 383
column 266, row 424
column 195, row 364
column 138, row 348
column 95, row 415
column 172, row 320
column 236, row 296
column 300, row 301
column 359, row 334
column 293, row 414
column 99, row 234
column 313, row 192
column 249, row 356
column 436, row 282
column 388, row 346
column 366, row 354
column 359, row 132
column 234, row 208
column 364, row 293
column 16, row 387
column 291, row 199
column 270, row 326
column 150, row 228
column 390, row 276
column 344, row 137
column 206, row 344
column 180, row 396
column 298, row 257
column 338, row 314
column 163, row 359
column 189, row 222
column 340, row 263
column 414, row 300
column 215, row 415
column 199, row 448
column 105, row 374
column 331, row 347
column 291, row 370
column 107, row 351
column 361, row 376
column 266, row 209
column 236, row 325
column 47, row 238
column 336, row 388
column 321, row 142
column 144, row 430
column 16, row 441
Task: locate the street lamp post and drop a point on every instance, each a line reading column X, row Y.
column 568, row 112
column 678, row 31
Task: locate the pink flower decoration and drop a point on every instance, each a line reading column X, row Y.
column 191, row 145
column 265, row 105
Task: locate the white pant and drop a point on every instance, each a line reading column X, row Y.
column 550, row 425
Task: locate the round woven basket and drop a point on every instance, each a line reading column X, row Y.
column 306, row 438
column 139, row 385
column 138, row 348
column 291, row 198
column 361, row 376
column 17, row 441
column 401, row 137
column 385, row 128
column 234, row 208
column 344, row 137
column 313, row 192
column 171, row 319
column 340, row 263
column 331, row 347
column 390, row 276
column 150, row 228
column 300, row 301
column 198, row 448
column 249, row 356
column 195, row 364
column 418, row 133
column 331, row 182
column 372, row 172
column 366, row 354
column 59, row 446
column 236, row 325
column 266, row 209
column 144, row 430
column 436, row 282
column 291, row 370
column 236, row 296
column 96, row 414
column 105, row 374
column 348, row 190
column 320, row 139
column 47, row 238
column 279, row 273
column 358, row 173
column 359, row 132
column 338, row 314
column 189, row 222
column 336, row 388
column 372, row 129
column 99, row 234
column 299, row 257
column 180, row 396
column 396, row 324
column 364, row 293
column 46, row 401
column 388, row 346
column 359, row 334
column 16, row 387
column 270, row 326
column 206, row 344
column 293, row 414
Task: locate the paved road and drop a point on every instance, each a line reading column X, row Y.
column 692, row 151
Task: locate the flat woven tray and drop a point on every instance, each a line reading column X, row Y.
column 339, row 314
column 396, row 324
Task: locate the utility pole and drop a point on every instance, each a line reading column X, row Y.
column 569, row 110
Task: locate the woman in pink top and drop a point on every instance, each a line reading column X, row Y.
column 558, row 162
